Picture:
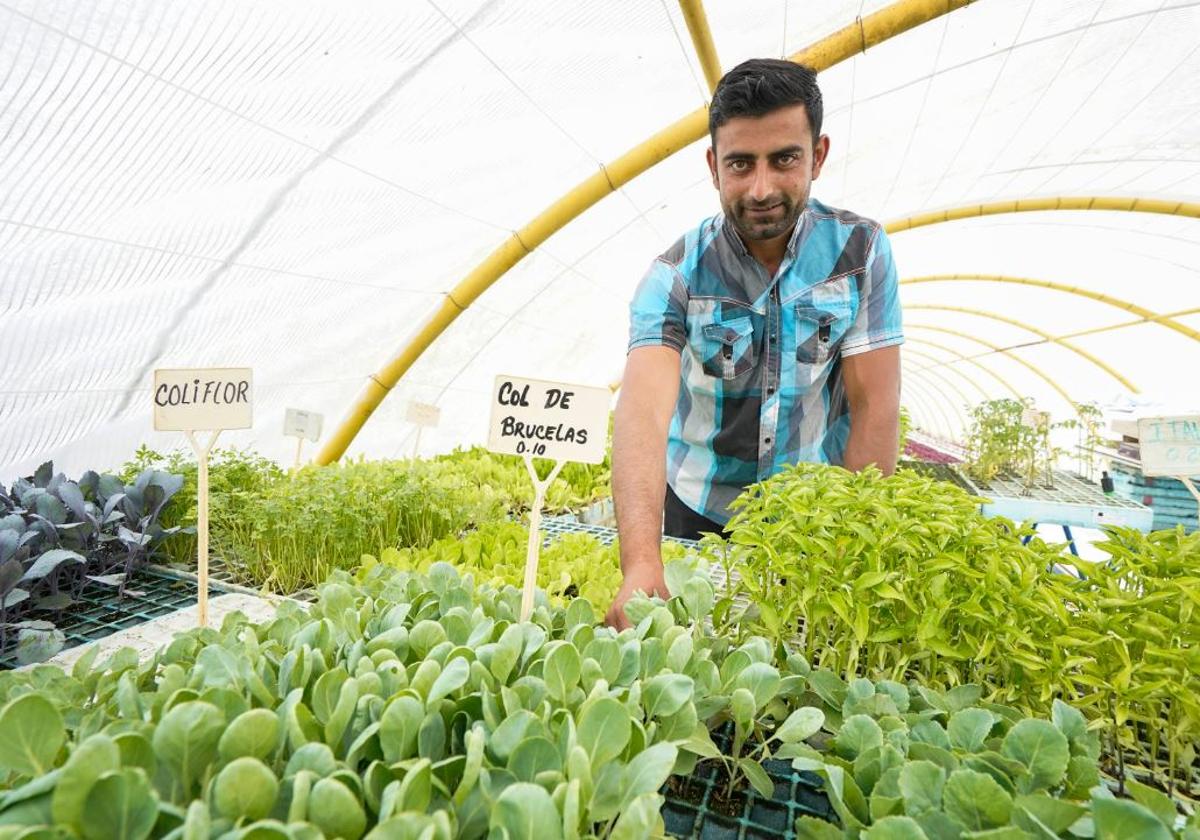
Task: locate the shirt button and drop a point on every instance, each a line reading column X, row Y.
column 770, row 391
column 766, row 440
column 771, row 338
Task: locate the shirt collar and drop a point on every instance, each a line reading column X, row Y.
column 803, row 224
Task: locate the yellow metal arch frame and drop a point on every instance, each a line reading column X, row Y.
column 939, row 413
column 702, row 39
column 1031, row 205
column 931, row 374
column 1128, row 306
column 997, row 348
column 938, row 364
column 857, row 37
column 982, row 313
column 962, row 357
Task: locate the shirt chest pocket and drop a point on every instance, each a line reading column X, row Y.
column 727, row 347
column 823, row 316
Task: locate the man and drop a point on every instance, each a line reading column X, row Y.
column 766, row 336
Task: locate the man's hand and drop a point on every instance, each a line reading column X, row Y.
column 646, row 577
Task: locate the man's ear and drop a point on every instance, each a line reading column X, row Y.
column 820, row 153
column 711, row 156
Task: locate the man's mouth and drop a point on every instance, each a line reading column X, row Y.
column 772, row 208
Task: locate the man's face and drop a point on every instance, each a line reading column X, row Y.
column 763, row 168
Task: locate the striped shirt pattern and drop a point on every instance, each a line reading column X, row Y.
column 761, row 384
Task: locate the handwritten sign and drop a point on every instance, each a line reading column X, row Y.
column 192, row 399
column 305, row 425
column 549, row 420
column 1170, row 445
column 423, row 414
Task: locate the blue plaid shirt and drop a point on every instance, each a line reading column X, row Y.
column 761, row 380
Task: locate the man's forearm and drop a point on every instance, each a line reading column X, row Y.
column 874, row 438
column 639, row 488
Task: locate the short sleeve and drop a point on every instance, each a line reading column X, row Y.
column 878, row 323
column 658, row 312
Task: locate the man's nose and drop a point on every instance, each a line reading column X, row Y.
column 760, row 187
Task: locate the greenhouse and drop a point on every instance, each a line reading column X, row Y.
column 529, row 420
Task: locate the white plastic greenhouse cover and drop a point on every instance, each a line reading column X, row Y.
column 293, row 185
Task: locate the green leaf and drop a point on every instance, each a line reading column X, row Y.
column 399, row 726
column 811, row 828
column 515, row 729
column 1120, row 819
column 639, row 818
column 533, row 756
column 525, row 810
column 561, row 671
column 921, row 784
column 895, row 828
column 453, row 677
column 1154, row 801
column 1069, row 720
column 245, row 788
column 1082, row 776
column 969, row 728
column 1042, row 748
column 665, row 694
column 335, row 810
column 93, row 757
column 603, row 730
column 757, row 777
column 120, row 804
column 254, row 733
column 186, row 740
column 858, row 734
column 647, row 771
column 1039, row 811
column 800, row 725
column 976, row 800
column 761, row 680
column 31, row 734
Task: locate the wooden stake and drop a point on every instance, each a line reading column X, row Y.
column 202, row 453
column 535, row 525
column 299, row 446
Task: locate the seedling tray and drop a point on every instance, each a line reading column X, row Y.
column 101, row 611
column 940, row 471
column 1071, row 501
column 553, row 526
column 796, row 794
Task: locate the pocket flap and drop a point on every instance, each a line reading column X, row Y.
column 728, row 332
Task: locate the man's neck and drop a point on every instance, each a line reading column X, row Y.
column 769, row 252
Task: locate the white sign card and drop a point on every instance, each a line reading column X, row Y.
column 538, row 419
column 302, row 424
column 1170, row 445
column 549, row 420
column 194, row 399
column 189, row 400
column 424, row 414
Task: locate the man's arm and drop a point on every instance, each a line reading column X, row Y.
column 872, row 381
column 649, row 390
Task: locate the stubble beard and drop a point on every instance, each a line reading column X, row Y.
column 751, row 228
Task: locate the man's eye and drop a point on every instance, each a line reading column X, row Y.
column 739, row 165
column 786, row 160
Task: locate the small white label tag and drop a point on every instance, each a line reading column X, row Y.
column 196, row 399
column 549, row 420
column 302, row 424
column 424, row 414
column 1170, row 445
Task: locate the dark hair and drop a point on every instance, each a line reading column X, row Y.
column 762, row 85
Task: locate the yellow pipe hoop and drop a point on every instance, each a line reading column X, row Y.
column 1022, row 325
column 943, row 419
column 940, row 364
column 1029, row 205
column 702, row 39
column 1128, row 306
column 997, row 348
column 962, row 357
column 959, row 409
column 855, row 38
